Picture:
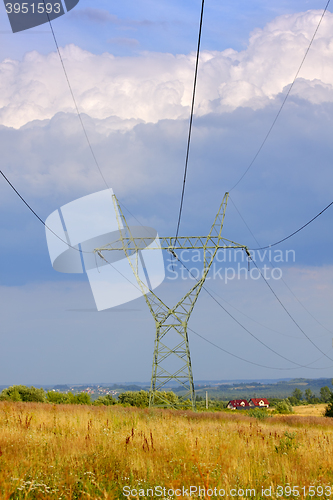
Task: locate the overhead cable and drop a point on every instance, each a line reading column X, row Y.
column 249, row 317
column 79, row 114
column 37, row 216
column 191, row 120
column 74, row 100
column 283, row 281
column 290, row 316
column 295, row 232
column 247, row 330
column 243, row 359
column 284, row 100
column 88, row 141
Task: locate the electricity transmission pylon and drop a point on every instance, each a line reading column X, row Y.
column 172, row 360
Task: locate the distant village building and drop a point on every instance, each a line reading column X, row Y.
column 243, row 404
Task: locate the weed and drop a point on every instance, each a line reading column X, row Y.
column 287, row 443
column 259, row 413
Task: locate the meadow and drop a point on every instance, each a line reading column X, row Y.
column 73, row 452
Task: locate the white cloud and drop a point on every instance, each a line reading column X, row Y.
column 273, row 56
column 155, row 86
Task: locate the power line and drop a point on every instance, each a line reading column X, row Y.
column 79, row 114
column 290, row 290
column 290, row 316
column 85, row 133
column 246, row 360
column 248, row 331
column 204, row 338
column 86, row 136
column 191, row 120
column 295, row 232
column 37, row 216
column 283, row 102
column 249, row 317
column 74, row 100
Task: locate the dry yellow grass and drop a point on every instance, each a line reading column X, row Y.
column 316, row 410
column 73, row 452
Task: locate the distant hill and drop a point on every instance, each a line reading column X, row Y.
column 61, row 388
column 279, row 389
column 219, row 389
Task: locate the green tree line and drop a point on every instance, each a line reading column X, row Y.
column 129, row 398
column 298, row 398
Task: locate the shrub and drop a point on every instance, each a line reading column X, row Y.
column 134, row 398
column 56, row 397
column 141, row 398
column 259, row 413
column 83, row 398
column 283, row 407
column 169, row 396
column 105, row 400
column 23, row 393
column 329, row 409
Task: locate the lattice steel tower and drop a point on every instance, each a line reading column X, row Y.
column 172, row 360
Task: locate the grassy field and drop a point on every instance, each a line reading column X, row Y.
column 70, row 452
column 316, row 410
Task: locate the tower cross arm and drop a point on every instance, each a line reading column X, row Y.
column 169, row 243
column 198, row 243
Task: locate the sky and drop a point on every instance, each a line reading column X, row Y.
column 131, row 67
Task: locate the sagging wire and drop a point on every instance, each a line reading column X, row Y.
column 250, row 333
column 37, row 216
column 288, row 313
column 284, row 100
column 264, row 248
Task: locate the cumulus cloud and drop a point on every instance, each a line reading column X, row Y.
column 273, row 56
column 155, row 86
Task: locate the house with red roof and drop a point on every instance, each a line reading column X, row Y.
column 238, row 404
column 258, row 403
